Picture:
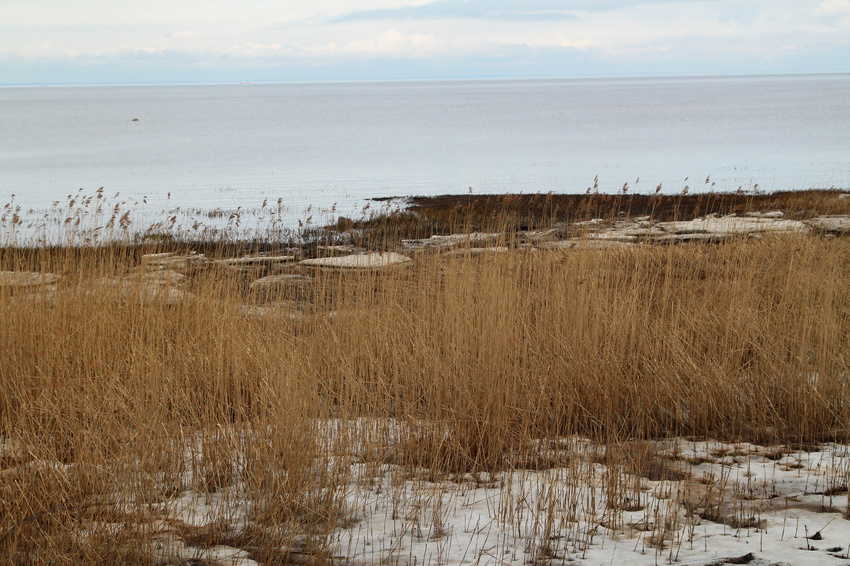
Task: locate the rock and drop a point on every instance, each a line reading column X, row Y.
column 585, row 244
column 290, row 285
column 136, row 288
column 728, row 225
column 50, row 470
column 540, row 235
column 476, row 251
column 359, row 261
column 771, row 214
column 336, row 250
column 441, row 242
column 170, row 260
column 284, row 280
column 12, row 454
column 254, row 260
column 164, row 277
column 838, row 225
column 20, row 279
column 695, row 237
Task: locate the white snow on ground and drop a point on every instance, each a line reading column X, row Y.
column 566, row 515
column 697, row 503
column 690, row 502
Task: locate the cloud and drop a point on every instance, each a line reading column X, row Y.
column 400, row 38
column 833, row 7
column 510, row 10
column 507, row 10
column 181, row 35
column 392, row 44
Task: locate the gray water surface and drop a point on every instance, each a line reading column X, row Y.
column 224, row 146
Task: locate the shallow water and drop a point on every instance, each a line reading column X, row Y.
column 206, row 147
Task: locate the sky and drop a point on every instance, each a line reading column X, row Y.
column 143, row 41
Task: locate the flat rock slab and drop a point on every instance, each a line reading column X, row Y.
column 144, row 290
column 770, row 214
column 285, row 280
column 727, row 225
column 476, row 251
column 536, row 236
column 585, row 244
column 694, row 237
column 12, row 279
column 252, row 260
column 359, row 261
column 831, row 224
column 170, row 260
column 336, row 250
column 441, row 242
column 162, row 277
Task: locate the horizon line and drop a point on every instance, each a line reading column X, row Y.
column 249, row 82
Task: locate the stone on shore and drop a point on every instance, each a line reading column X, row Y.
column 585, row 244
column 476, row 251
column 731, row 225
column 255, row 260
column 837, row 225
column 443, row 242
column 283, row 280
column 145, row 288
column 291, row 285
column 21, row 279
column 170, row 260
column 336, row 250
column 359, row 261
column 163, row 277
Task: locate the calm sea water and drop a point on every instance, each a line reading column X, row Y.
column 225, row 146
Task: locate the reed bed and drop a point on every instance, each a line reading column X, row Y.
column 114, row 406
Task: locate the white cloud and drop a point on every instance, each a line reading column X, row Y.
column 182, row 35
column 634, row 34
column 833, row 7
column 261, row 50
column 391, row 44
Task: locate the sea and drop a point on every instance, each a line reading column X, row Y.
column 315, row 151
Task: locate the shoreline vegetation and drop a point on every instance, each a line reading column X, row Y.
column 472, row 379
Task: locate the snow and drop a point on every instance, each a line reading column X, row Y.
column 562, row 515
column 692, row 502
column 359, row 261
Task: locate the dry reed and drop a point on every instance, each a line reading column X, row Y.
column 111, row 403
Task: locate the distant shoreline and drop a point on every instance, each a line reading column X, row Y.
column 797, row 204
column 260, row 82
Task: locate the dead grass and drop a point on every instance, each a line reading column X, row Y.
column 442, row 214
column 110, row 406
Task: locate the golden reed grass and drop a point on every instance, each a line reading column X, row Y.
column 110, row 402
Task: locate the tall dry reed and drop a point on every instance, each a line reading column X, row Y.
column 112, row 402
